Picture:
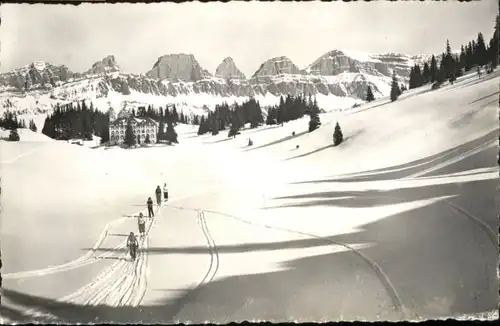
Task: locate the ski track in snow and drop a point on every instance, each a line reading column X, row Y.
column 124, row 283
column 212, row 248
column 85, row 259
column 383, row 277
column 391, row 290
column 121, row 284
column 81, row 261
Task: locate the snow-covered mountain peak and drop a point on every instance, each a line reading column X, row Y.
column 228, row 69
column 106, row 65
column 39, row 65
column 178, row 67
column 277, row 66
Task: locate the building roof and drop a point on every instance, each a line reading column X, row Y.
column 140, row 121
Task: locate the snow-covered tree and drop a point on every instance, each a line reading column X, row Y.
column 338, row 137
column 314, row 121
column 14, row 135
column 171, row 134
column 395, row 91
column 129, row 135
column 369, row 94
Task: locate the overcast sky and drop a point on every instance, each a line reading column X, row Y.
column 249, row 32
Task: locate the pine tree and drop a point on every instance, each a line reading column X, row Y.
column 469, row 57
column 161, row 128
column 493, row 49
column 235, row 124
column 203, row 128
column 338, row 137
column 369, row 94
column 462, row 58
column 130, row 139
column 452, row 74
column 171, row 134
column 271, row 116
column 395, row 91
column 441, row 73
column 281, row 111
column 215, row 122
column 14, row 135
column 433, row 69
column 426, row 75
column 105, row 134
column 314, row 121
column 481, row 53
column 175, row 116
column 32, row 126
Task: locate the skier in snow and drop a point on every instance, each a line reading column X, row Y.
column 132, row 244
column 165, row 191
column 158, row 195
column 142, row 225
column 150, row 207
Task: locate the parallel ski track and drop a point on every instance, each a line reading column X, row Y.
column 123, row 283
column 86, row 259
column 213, row 268
column 213, row 252
column 81, row 261
column 130, row 278
column 396, row 299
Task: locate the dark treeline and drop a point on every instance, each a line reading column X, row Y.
column 474, row 54
column 291, row 108
column 10, row 121
column 234, row 117
column 69, row 121
column 169, row 114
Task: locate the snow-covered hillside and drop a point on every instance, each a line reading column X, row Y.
column 279, row 230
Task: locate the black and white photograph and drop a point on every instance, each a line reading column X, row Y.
column 249, row 161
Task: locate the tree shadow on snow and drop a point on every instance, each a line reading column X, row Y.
column 440, row 262
column 369, row 108
column 476, row 80
column 284, row 139
column 433, row 258
column 466, row 118
column 218, row 141
column 488, row 159
column 347, row 139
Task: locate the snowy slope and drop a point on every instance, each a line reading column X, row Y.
column 26, row 135
column 100, row 188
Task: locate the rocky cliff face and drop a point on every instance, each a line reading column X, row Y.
column 180, row 76
column 276, row 66
column 106, row 65
column 178, row 67
column 228, row 70
column 37, row 75
column 336, row 62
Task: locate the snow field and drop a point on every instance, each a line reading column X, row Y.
column 220, row 176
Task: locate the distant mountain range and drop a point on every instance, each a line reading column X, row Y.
column 337, row 78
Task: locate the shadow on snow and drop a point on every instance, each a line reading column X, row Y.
column 407, row 169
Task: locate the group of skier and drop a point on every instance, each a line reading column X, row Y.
column 132, row 242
